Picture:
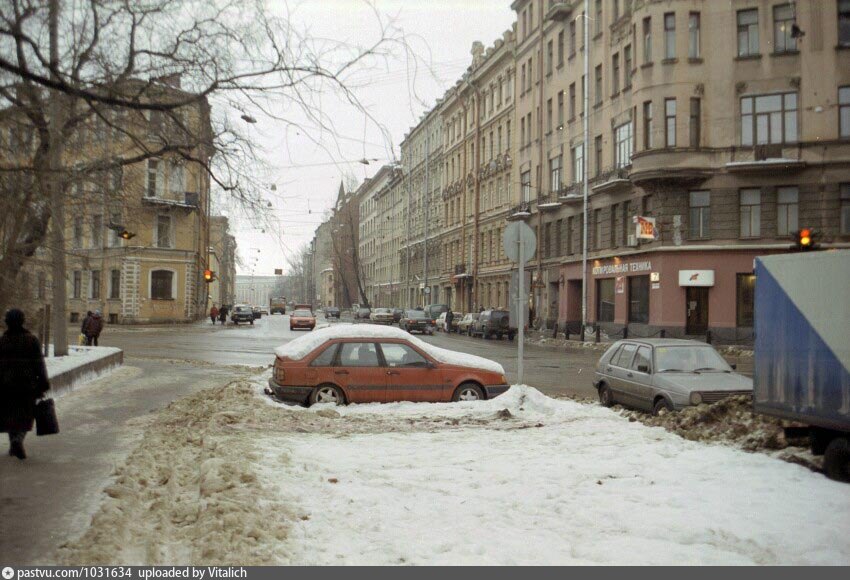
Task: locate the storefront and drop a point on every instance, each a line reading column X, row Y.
column 684, row 293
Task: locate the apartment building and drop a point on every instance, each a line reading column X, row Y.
column 222, row 262
column 725, row 124
column 322, row 266
column 381, row 236
column 478, row 125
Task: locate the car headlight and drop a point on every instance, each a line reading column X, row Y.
column 696, row 398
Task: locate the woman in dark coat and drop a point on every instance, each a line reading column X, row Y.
column 23, row 380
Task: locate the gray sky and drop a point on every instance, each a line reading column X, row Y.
column 395, row 92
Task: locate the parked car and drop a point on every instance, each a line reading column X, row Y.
column 465, row 324
column 332, row 312
column 441, row 321
column 264, row 311
column 381, row 316
column 242, row 313
column 362, row 313
column 493, row 324
column 433, row 311
column 666, row 374
column 302, row 319
column 256, row 311
column 344, row 364
column 397, row 314
column 416, row 320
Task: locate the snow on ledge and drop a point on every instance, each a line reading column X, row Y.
column 78, row 356
column 304, row 345
column 769, row 161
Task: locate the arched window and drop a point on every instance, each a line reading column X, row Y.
column 162, row 285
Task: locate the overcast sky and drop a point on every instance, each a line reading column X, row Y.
column 307, row 164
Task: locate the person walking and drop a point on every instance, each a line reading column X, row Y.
column 222, row 314
column 93, row 328
column 449, row 317
column 84, row 339
column 23, row 380
column 213, row 313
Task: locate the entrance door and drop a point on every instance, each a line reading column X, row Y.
column 697, row 310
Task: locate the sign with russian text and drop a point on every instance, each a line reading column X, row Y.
column 622, row 268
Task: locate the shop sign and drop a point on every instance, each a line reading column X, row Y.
column 645, row 229
column 622, row 268
column 703, row 278
column 621, row 284
column 656, row 285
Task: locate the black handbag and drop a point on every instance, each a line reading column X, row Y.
column 46, row 422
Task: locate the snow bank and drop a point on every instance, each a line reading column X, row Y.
column 302, row 346
column 77, row 356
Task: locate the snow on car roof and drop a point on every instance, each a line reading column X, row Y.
column 302, row 346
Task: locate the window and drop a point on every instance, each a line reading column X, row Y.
column 783, row 22
column 647, row 125
column 787, row 204
column 78, row 232
column 750, row 213
column 624, row 358
column 623, row 145
column 114, row 284
column 627, row 220
column 572, row 38
column 615, row 74
column 525, row 184
column 77, row 287
column 605, row 300
column 176, row 179
column 597, row 100
column 769, row 119
column 844, row 112
column 748, row 32
column 844, row 22
column 401, row 356
column 670, row 35
column 95, row 284
column 694, row 35
column 155, row 178
column 612, row 225
column 550, row 57
column 97, row 231
column 845, row 209
column 530, row 72
column 549, row 115
column 669, row 123
column 643, row 357
column 560, row 110
column 627, row 64
column 746, row 292
column 615, row 13
column 523, row 80
column 647, row 40
column 41, row 286
column 162, row 282
column 570, row 229
column 597, row 229
column 326, row 357
column 639, row 299
column 555, row 174
column 598, row 149
column 163, row 231
column 694, row 123
column 578, row 163
column 560, row 49
column 700, row 212
column 572, row 101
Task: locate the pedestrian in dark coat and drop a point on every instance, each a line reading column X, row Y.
column 449, row 317
column 23, row 380
column 85, row 321
column 222, row 314
column 93, row 328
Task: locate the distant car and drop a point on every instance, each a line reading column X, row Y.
column 332, row 312
column 666, row 374
column 302, row 319
column 416, row 321
column 381, row 316
column 256, row 311
column 242, row 313
column 397, row 314
column 362, row 313
column 493, row 324
column 264, row 311
column 441, row 321
column 465, row 324
column 344, row 364
column 434, row 310
column 304, row 306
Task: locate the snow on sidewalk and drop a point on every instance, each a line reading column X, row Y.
column 77, row 356
column 81, row 365
column 556, row 483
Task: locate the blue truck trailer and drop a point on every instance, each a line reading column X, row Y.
column 802, row 348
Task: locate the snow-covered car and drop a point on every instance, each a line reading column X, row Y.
column 381, row 316
column 465, row 324
column 302, row 319
column 368, row 364
column 242, row 313
column 362, row 313
column 666, row 374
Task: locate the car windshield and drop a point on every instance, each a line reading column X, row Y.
column 383, row 311
column 302, row 314
column 415, row 314
column 689, row 359
column 243, row 309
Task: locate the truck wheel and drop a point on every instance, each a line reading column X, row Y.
column 836, row 460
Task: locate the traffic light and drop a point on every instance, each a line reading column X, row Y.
column 209, row 276
column 125, row 235
column 805, row 240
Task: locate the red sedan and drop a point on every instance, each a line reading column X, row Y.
column 357, row 364
column 302, row 319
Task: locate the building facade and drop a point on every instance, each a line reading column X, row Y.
column 222, row 262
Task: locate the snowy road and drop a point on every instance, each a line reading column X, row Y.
column 521, row 479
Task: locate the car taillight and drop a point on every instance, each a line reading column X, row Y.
column 279, row 372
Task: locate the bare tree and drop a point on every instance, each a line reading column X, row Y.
column 65, row 67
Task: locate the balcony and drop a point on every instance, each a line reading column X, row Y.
column 766, row 158
column 519, row 212
column 572, row 192
column 547, row 201
column 560, row 10
column 189, row 200
column 460, row 271
column 613, row 181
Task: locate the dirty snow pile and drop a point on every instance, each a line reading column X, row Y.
column 229, row 476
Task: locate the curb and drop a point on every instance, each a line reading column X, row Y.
column 67, row 381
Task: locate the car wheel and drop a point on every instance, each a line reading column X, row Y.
column 252, row 323
column 510, row 336
column 468, row 392
column 606, row 397
column 327, row 394
column 662, row 405
column 836, row 459
column 468, row 332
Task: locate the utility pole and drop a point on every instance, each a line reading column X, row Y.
column 427, row 196
column 406, row 175
column 584, row 146
column 57, row 197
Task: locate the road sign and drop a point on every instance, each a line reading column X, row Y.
column 518, row 305
column 514, row 233
column 427, row 290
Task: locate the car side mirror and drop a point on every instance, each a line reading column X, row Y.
column 643, row 369
column 430, row 365
column 734, row 367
